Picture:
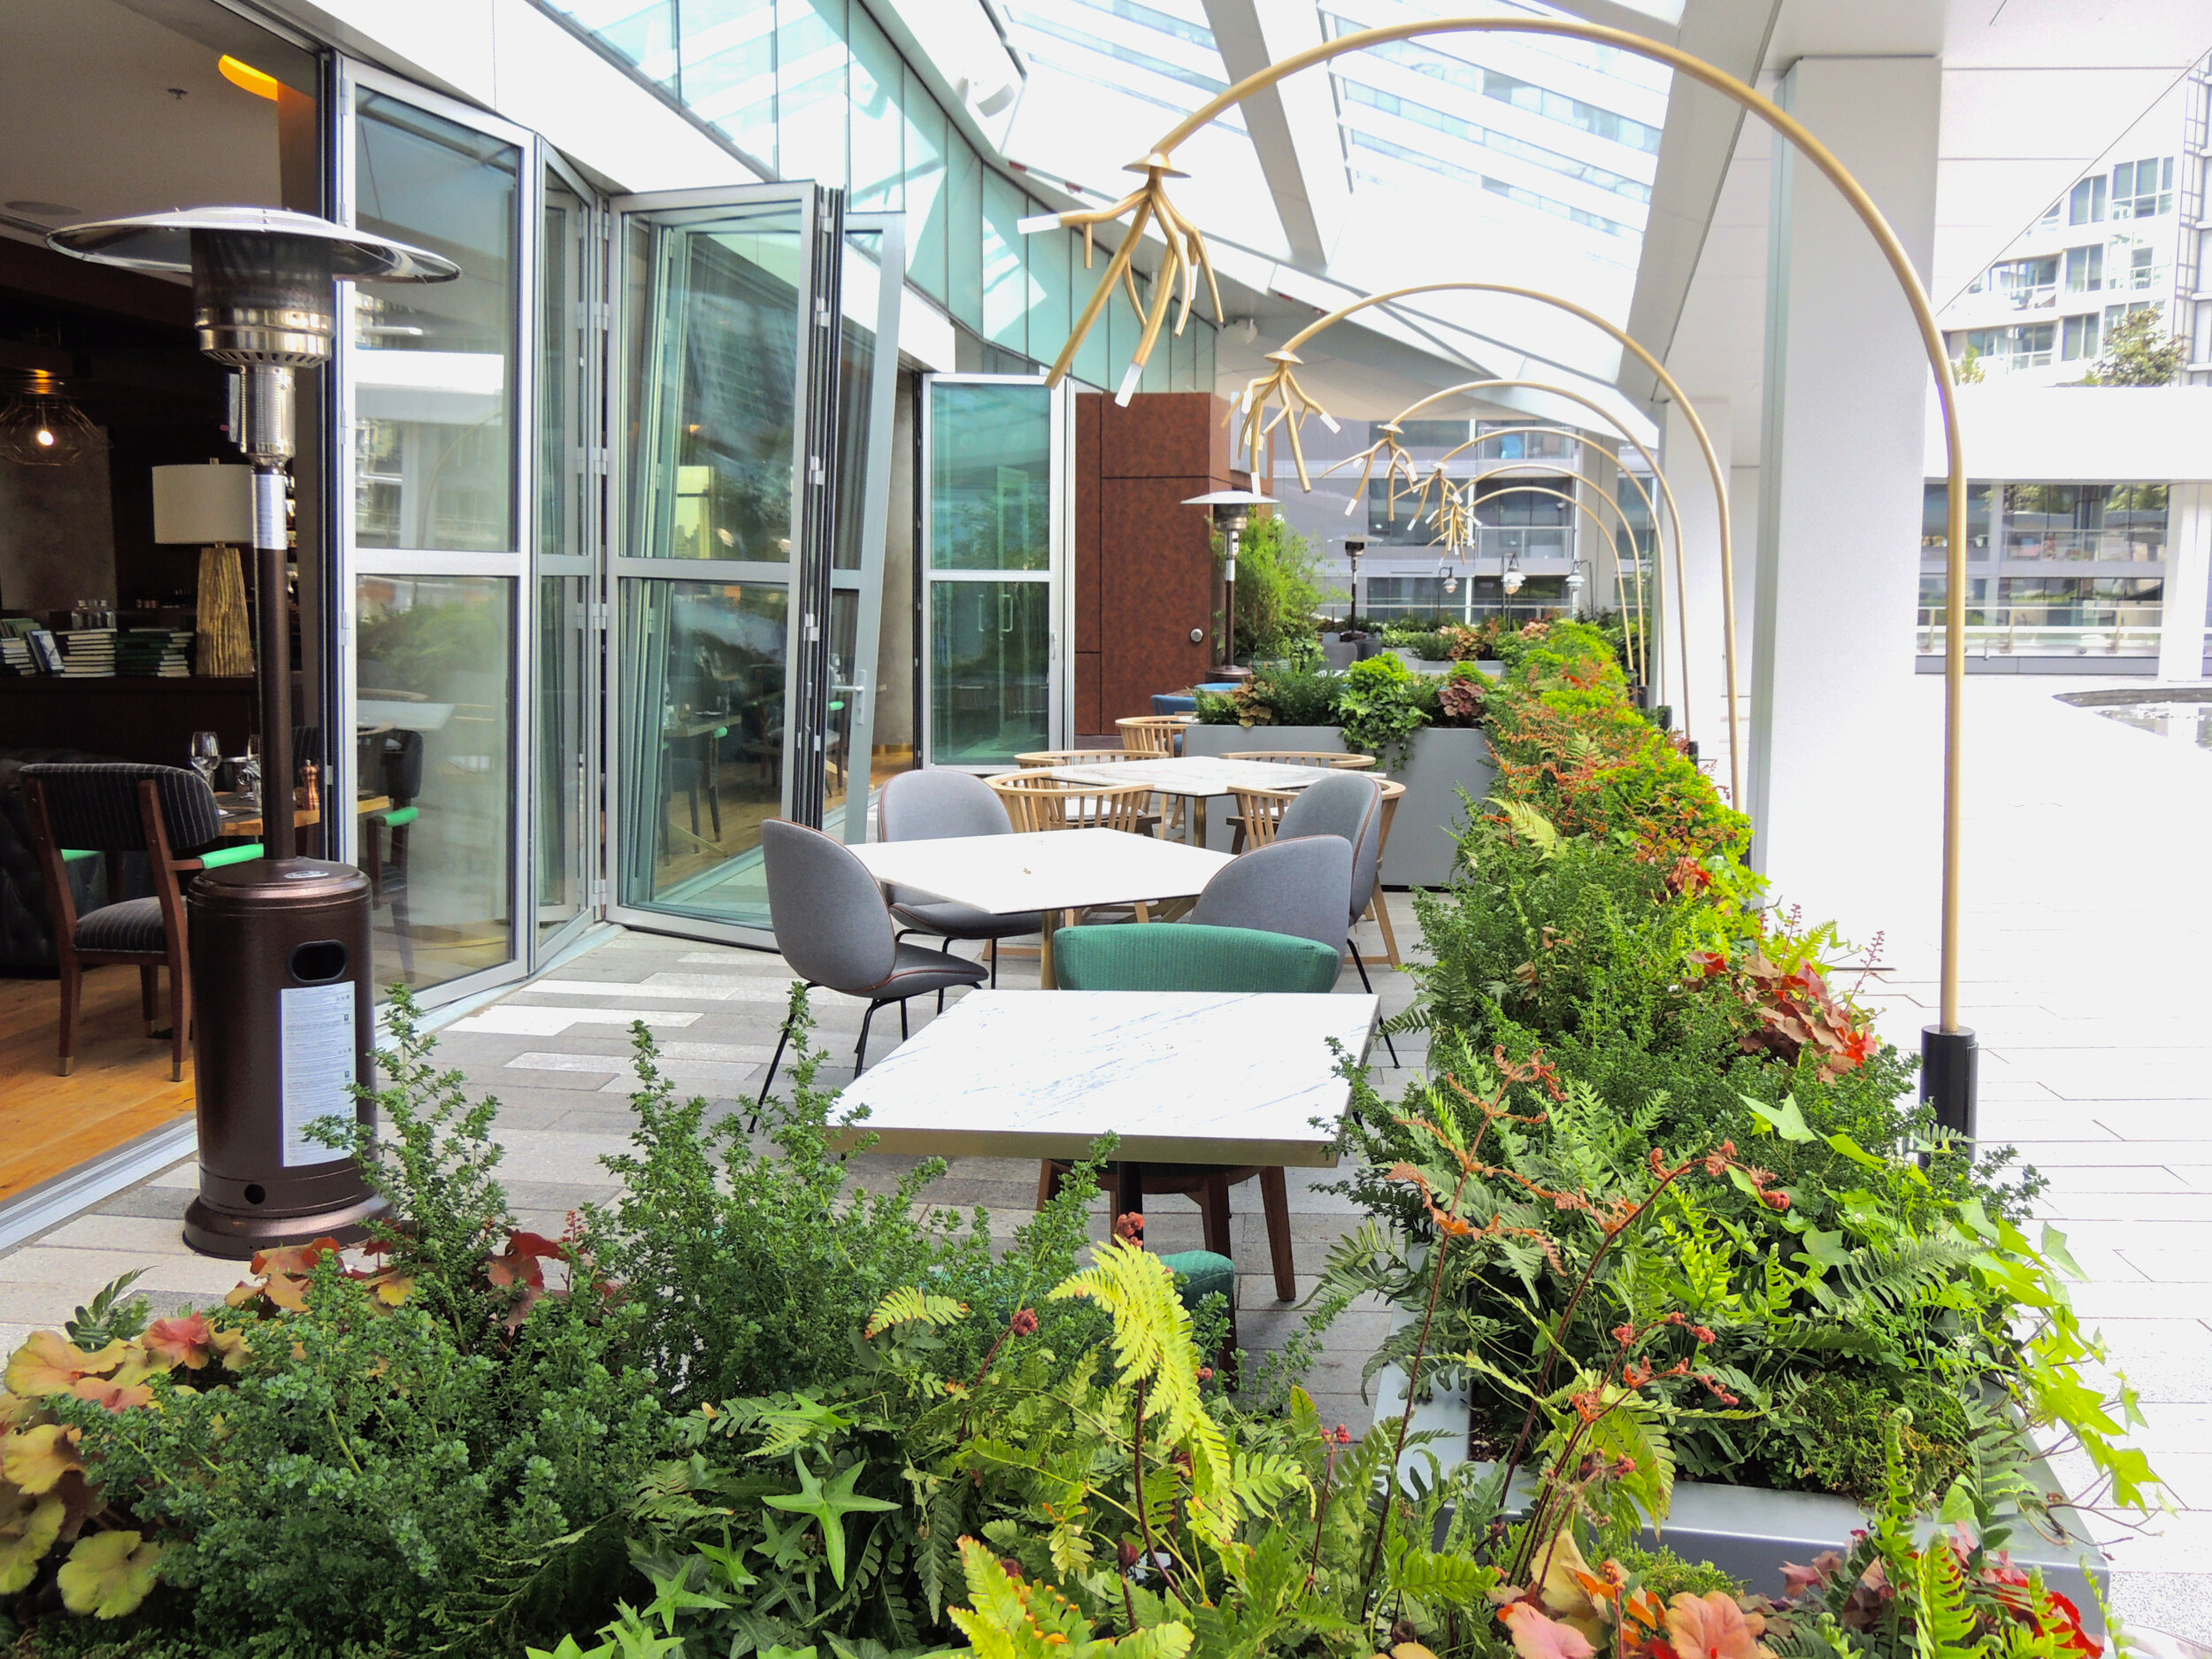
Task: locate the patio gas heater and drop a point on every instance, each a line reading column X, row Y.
column 1231, row 511
column 280, row 948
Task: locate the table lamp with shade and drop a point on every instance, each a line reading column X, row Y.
column 212, row 507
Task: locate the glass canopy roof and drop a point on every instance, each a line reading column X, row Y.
column 1494, row 157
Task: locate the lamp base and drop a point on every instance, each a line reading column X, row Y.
column 222, row 644
column 1950, row 1068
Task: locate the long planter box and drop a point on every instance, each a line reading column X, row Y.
column 1424, row 834
column 1747, row 1531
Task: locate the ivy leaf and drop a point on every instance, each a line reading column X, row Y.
column 28, row 1527
column 109, row 1574
column 829, row 1505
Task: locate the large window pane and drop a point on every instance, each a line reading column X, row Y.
column 1049, row 254
column 878, row 126
column 926, row 203
column 562, row 478
column 964, row 233
column 729, row 58
column 435, row 658
column 1006, row 292
column 990, row 659
column 990, row 478
column 810, row 107
column 643, row 32
column 433, row 363
column 1091, row 356
column 713, row 387
column 702, row 750
column 856, row 385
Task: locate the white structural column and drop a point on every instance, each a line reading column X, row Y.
column 1293, row 124
column 1844, row 819
column 1693, row 484
column 2188, row 578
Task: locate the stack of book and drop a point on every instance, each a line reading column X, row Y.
column 88, row 653
column 15, row 653
column 160, row 652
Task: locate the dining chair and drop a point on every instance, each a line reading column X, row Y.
column 1194, row 957
column 1169, row 809
column 1272, row 801
column 932, row 805
column 1152, row 733
column 1350, row 805
column 1039, row 800
column 832, row 927
column 77, row 809
column 400, row 761
column 1296, row 887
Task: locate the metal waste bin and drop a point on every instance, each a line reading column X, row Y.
column 283, row 1029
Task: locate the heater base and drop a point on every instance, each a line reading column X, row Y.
column 237, row 1235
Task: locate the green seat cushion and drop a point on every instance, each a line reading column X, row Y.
column 1203, row 1274
column 73, row 854
column 399, row 816
column 1180, row 956
column 245, row 852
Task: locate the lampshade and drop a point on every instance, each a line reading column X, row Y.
column 202, row 506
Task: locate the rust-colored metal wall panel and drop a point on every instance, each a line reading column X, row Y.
column 1088, row 719
column 1165, row 434
column 1089, row 419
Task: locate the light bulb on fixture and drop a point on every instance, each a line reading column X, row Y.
column 1512, row 579
column 41, row 425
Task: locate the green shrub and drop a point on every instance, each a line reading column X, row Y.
column 1278, row 588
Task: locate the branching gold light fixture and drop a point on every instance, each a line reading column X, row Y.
column 1947, row 1049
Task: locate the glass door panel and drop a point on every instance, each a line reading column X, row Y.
column 435, row 723
column 714, row 294
column 990, row 667
column 995, row 533
column 565, row 855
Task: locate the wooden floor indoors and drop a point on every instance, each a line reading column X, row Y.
column 120, row 1089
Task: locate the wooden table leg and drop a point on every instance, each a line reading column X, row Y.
column 1198, row 820
column 1046, row 979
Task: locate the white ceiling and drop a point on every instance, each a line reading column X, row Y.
column 88, row 120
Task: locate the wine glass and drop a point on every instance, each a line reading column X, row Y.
column 207, row 755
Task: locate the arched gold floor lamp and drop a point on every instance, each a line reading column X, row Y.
column 1947, row 1049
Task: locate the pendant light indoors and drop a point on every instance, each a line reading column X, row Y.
column 42, row 426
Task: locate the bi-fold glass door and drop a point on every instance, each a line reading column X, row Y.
column 994, row 470
column 754, row 343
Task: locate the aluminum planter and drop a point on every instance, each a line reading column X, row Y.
column 1424, row 837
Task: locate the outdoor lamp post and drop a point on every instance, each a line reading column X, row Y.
column 1231, row 511
column 281, row 945
column 1354, row 546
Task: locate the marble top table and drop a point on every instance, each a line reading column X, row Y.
column 1049, row 870
column 1197, row 777
column 1180, row 1077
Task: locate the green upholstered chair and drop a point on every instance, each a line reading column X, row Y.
column 1182, row 957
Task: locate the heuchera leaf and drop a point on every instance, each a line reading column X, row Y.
column 36, row 1459
column 187, row 1341
column 108, row 1574
column 116, row 1396
column 51, row 1363
column 1712, row 1626
column 1536, row 1637
column 28, row 1527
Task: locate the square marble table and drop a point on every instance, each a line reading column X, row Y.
column 1050, row 870
column 1180, row 1077
column 1196, row 777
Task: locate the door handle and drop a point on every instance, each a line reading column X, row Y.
column 1006, row 613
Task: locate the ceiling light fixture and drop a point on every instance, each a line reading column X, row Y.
column 260, row 84
column 42, row 426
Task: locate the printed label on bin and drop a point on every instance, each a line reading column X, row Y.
column 319, row 1062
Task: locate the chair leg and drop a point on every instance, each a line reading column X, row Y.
column 1213, row 1206
column 149, row 993
column 994, row 964
column 1379, row 907
column 860, row 1048
column 775, row 1060
column 940, row 1001
column 1275, row 1201
column 1370, row 984
column 903, row 1020
column 72, row 989
column 180, row 1011
column 1050, row 1174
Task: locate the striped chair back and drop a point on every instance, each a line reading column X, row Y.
column 94, row 806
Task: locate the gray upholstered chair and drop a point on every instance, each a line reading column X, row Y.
column 1346, row 804
column 932, row 805
column 166, row 812
column 1297, row 887
column 833, row 928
